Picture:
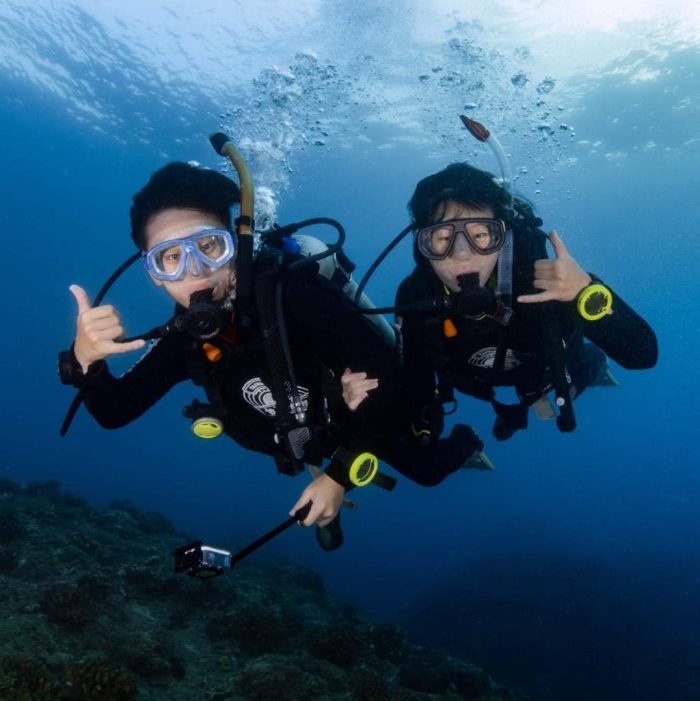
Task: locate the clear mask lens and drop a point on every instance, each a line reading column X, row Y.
column 483, row 236
column 172, row 260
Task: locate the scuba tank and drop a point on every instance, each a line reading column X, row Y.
column 338, row 269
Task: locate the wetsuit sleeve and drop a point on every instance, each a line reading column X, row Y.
column 417, row 365
column 116, row 401
column 624, row 336
column 342, row 337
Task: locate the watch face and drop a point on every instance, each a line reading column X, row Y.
column 595, row 304
column 363, row 469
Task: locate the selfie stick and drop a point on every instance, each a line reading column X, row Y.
column 204, row 561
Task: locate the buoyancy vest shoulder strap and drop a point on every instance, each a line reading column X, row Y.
column 293, row 431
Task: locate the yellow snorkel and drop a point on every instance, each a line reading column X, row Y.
column 245, row 225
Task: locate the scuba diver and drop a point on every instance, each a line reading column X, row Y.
column 485, row 307
column 265, row 335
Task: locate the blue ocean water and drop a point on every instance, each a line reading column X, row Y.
column 571, row 571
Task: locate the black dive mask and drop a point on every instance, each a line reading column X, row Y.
column 472, row 300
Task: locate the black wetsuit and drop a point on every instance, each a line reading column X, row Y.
column 326, row 334
column 465, row 360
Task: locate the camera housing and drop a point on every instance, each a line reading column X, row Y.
column 202, row 561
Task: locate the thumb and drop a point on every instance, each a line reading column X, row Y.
column 81, row 298
column 560, row 250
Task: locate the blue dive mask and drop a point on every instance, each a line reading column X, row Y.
column 173, row 259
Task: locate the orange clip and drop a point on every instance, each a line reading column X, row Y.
column 449, row 329
column 212, row 352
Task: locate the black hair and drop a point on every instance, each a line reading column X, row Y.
column 461, row 183
column 183, row 186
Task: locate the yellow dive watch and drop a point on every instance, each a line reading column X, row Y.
column 594, row 301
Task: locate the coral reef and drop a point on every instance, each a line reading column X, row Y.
column 99, row 679
column 387, row 641
column 27, row 678
column 91, row 611
column 74, row 605
column 256, row 629
column 293, row 678
column 338, row 642
column 11, row 526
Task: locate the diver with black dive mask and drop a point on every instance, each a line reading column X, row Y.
column 485, row 307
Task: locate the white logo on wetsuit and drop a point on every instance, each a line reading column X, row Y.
column 259, row 396
column 484, row 359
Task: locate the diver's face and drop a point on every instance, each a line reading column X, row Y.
column 177, row 224
column 462, row 259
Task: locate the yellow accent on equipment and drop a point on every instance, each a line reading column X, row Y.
column 207, row 427
column 594, row 302
column 363, row 469
column 417, row 433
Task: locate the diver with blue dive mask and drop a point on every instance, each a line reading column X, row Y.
column 256, row 333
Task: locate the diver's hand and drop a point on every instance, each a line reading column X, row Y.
column 98, row 331
column 356, row 387
column 560, row 277
column 326, row 496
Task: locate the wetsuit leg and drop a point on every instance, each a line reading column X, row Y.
column 428, row 465
column 587, row 366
